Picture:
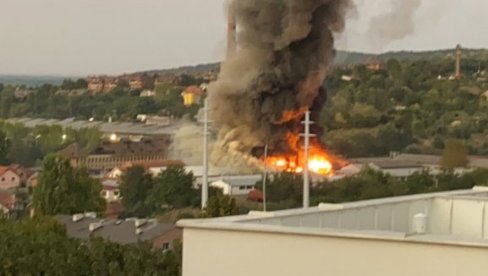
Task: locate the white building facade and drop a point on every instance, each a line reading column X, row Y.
column 430, row 234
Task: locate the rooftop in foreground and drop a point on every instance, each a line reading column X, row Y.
column 454, row 218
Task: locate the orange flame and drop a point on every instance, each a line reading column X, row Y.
column 320, row 162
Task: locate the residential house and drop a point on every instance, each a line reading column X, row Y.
column 374, row 64
column 7, row 202
column 101, row 84
column 192, row 95
column 110, row 190
column 12, row 176
column 166, row 80
column 135, row 84
column 163, row 236
column 237, row 185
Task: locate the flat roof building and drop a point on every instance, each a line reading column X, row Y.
column 429, row 234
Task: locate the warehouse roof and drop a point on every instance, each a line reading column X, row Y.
column 104, row 127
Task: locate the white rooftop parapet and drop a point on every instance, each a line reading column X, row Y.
column 330, row 207
column 261, row 214
column 480, row 188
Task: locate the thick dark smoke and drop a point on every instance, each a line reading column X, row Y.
column 285, row 48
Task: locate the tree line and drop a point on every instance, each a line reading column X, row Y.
column 285, row 190
column 28, row 147
column 121, row 103
column 409, row 106
column 40, row 246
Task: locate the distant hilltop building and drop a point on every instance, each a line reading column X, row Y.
column 192, row 95
column 374, row 64
column 101, row 84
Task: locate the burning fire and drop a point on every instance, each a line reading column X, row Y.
column 319, row 162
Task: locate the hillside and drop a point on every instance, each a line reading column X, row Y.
column 342, row 58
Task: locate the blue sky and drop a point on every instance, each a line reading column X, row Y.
column 80, row 37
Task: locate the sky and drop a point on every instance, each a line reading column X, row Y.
column 83, row 37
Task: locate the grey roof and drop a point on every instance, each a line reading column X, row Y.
column 104, row 127
column 119, row 231
column 388, row 163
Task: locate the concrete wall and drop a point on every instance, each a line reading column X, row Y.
column 213, row 252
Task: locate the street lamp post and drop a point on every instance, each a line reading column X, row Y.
column 205, row 155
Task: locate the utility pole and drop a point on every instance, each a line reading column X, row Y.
column 265, row 175
column 306, row 180
column 205, row 155
column 458, row 61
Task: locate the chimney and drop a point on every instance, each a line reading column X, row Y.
column 231, row 32
column 92, row 215
column 140, row 222
column 95, row 226
column 458, row 62
column 77, row 217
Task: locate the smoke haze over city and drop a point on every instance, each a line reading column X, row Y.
column 82, row 37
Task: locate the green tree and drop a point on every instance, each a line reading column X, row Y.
column 135, row 188
column 220, row 206
column 4, row 148
column 63, row 189
column 174, row 188
column 420, row 182
column 283, row 186
column 454, row 154
column 364, row 115
column 40, row 247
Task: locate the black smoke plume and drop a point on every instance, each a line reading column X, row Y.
column 284, row 49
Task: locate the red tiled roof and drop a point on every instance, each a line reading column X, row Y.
column 193, row 90
column 3, row 170
column 15, row 168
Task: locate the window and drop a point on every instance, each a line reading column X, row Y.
column 12, row 179
column 165, row 246
column 104, row 193
column 3, row 179
column 116, row 193
column 242, row 188
column 250, row 187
